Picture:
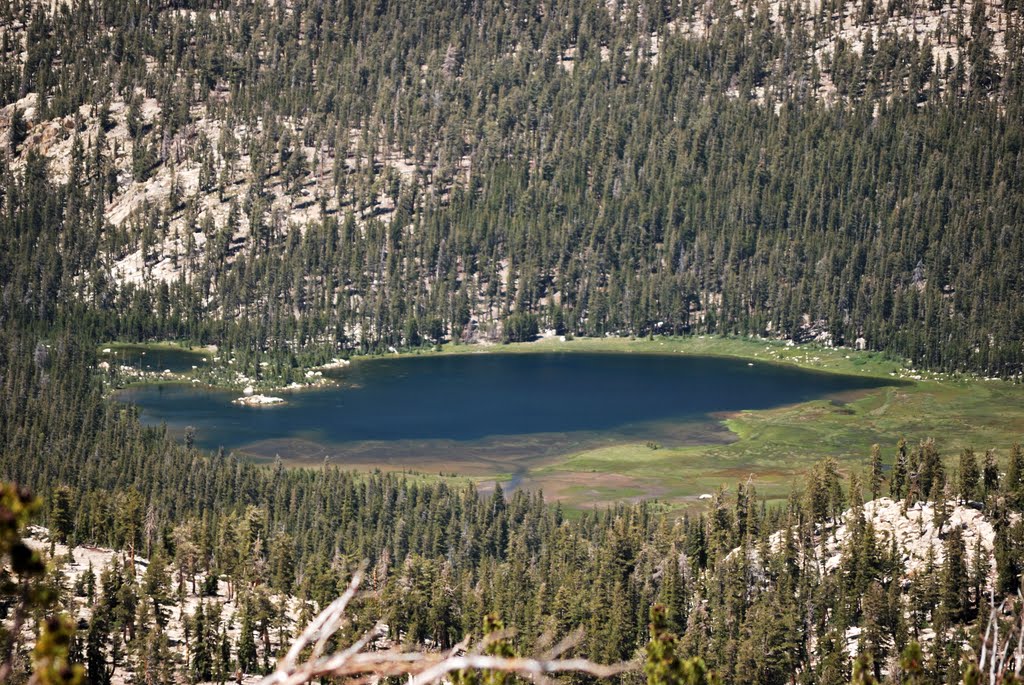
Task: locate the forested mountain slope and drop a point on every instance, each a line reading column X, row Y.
column 276, row 175
column 228, row 560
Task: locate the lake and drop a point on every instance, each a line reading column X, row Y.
column 489, row 413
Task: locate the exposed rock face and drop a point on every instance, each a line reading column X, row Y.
column 914, row 532
column 178, row 169
column 944, row 30
column 912, row 529
column 73, row 562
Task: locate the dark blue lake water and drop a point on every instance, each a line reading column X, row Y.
column 436, row 409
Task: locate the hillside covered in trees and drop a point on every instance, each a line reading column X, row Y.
column 274, row 175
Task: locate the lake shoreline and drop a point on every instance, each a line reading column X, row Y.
column 769, row 445
column 810, row 356
column 516, row 418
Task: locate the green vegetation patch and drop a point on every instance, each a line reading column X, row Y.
column 774, row 446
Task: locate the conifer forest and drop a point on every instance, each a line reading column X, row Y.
column 267, row 196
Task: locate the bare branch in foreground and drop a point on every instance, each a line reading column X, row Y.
column 324, row 625
column 422, row 668
column 526, row 667
column 1001, row 658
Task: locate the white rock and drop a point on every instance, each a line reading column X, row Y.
column 248, row 391
column 913, row 530
column 259, row 400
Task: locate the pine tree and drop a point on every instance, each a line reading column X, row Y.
column 18, row 130
column 932, row 474
column 663, row 665
column 282, row 563
column 155, row 663
column 61, row 518
column 990, row 474
column 899, row 471
column 88, row 583
column 955, row 581
column 980, row 568
column 877, row 477
column 156, row 587
column 832, row 667
column 133, row 120
column 246, row 652
column 223, row 667
column 969, row 476
column 201, row 668
column 769, row 643
column 874, row 641
column 672, row 595
column 1006, row 548
column 1015, row 474
column 98, row 670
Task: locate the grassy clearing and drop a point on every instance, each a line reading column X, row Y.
column 166, row 344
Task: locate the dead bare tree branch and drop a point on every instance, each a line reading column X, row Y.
column 422, row 668
column 1001, row 658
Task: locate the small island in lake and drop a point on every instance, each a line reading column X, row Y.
column 259, row 401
